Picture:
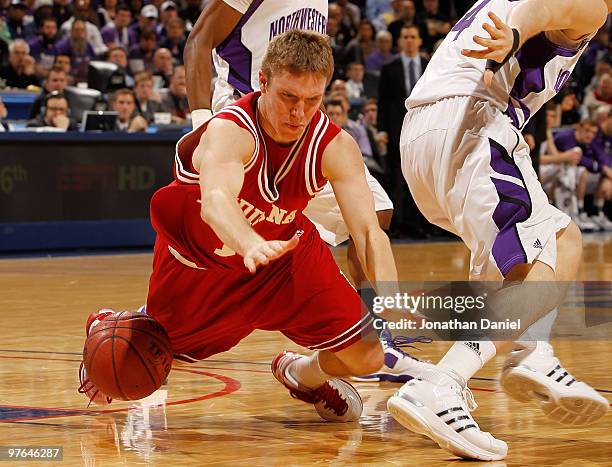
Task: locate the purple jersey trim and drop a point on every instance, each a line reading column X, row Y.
column 237, row 56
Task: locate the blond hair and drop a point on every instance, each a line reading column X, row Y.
column 299, row 51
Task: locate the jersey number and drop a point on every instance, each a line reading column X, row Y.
column 225, row 251
column 468, row 18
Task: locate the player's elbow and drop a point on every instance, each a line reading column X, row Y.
column 212, row 205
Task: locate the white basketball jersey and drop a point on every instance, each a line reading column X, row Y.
column 238, row 58
column 527, row 81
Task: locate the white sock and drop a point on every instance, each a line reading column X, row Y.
column 599, row 204
column 307, row 371
column 541, row 329
column 465, row 358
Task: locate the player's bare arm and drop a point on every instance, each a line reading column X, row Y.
column 221, row 178
column 342, row 165
column 214, row 24
column 576, row 18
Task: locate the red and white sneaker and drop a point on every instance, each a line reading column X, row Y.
column 335, row 401
column 86, row 386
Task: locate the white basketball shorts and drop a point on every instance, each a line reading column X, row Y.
column 324, row 212
column 469, row 172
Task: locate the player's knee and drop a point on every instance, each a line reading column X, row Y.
column 570, row 237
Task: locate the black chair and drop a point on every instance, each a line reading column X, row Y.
column 81, row 100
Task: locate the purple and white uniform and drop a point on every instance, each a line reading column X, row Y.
column 237, row 61
column 463, row 156
column 238, row 58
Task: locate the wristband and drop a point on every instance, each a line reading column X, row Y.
column 495, row 66
column 200, row 116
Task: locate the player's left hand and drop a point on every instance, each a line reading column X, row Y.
column 499, row 46
column 264, row 252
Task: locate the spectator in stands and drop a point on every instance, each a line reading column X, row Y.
column 19, row 71
column 378, row 139
column 147, row 100
column 56, row 81
column 601, row 95
column 569, row 106
column 16, row 22
column 397, row 79
column 80, row 51
column 55, row 112
column 382, row 53
column 63, row 61
column 147, row 20
column 191, row 12
column 344, row 33
column 174, row 100
column 377, row 11
column 361, row 46
column 167, row 11
column 350, row 14
column 581, row 139
column 360, row 85
column 407, row 18
column 62, row 11
column 118, row 55
column 43, row 9
column 162, row 67
column 437, row 25
column 84, row 12
column 337, row 47
column 123, row 101
column 141, row 54
column 42, row 47
column 393, row 13
column 338, row 114
column 107, row 12
column 117, row 32
column 175, row 39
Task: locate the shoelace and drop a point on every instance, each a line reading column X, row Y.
column 399, row 342
column 333, row 400
column 87, row 386
column 468, row 397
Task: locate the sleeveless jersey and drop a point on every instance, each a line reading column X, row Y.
column 278, row 183
column 538, row 70
column 238, row 58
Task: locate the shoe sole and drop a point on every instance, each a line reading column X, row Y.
column 524, row 385
column 423, row 421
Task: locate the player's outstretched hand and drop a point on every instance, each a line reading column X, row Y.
column 266, row 251
column 499, row 46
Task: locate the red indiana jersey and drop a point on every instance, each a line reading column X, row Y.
column 278, row 183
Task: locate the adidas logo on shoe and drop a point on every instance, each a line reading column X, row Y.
column 538, row 244
column 475, row 346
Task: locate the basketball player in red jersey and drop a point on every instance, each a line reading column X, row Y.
column 234, row 251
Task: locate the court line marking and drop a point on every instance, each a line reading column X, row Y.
column 231, row 385
column 606, row 391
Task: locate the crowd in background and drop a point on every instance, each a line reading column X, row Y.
column 381, row 48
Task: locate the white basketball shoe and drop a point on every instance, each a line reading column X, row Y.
column 533, row 373
column 438, row 406
column 335, row 401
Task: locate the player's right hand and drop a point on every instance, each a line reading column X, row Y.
column 262, row 253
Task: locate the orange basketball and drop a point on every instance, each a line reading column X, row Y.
column 128, row 355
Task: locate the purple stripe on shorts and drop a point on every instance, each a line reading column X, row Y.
column 237, row 56
column 514, row 206
column 501, row 162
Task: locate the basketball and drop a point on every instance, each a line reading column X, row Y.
column 128, row 355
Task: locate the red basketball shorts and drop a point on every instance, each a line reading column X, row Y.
column 303, row 294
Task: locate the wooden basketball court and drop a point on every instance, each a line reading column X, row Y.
column 230, row 410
